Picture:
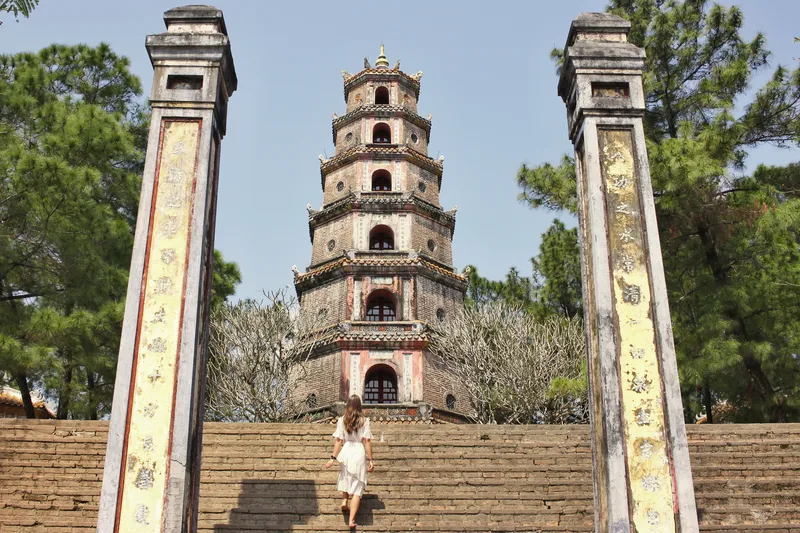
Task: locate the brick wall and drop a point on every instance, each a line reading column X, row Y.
column 356, row 97
column 422, row 137
column 340, row 231
column 320, row 377
column 332, row 296
column 405, row 96
column 342, row 141
column 432, row 295
column 415, row 176
column 349, row 176
column 451, row 478
column 437, row 384
column 424, row 229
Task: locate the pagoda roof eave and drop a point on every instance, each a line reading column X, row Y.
column 326, row 271
column 398, row 151
column 363, row 201
column 381, row 110
column 377, row 73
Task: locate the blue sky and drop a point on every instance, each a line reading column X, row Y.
column 488, row 83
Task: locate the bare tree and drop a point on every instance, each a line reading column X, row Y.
column 515, row 368
column 256, row 356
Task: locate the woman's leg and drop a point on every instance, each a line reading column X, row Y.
column 345, row 497
column 354, row 509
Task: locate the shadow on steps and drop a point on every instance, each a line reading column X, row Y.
column 282, row 505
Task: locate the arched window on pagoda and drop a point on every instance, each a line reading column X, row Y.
column 381, row 238
column 380, row 385
column 381, row 180
column 381, row 307
column 382, row 95
column 381, row 134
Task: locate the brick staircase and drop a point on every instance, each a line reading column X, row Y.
column 268, row 477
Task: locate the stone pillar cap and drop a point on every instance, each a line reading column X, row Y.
column 195, row 32
column 196, row 14
column 597, row 23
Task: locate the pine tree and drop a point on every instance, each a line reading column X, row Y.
column 557, row 272
column 72, row 141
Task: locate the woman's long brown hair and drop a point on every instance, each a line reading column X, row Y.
column 353, row 417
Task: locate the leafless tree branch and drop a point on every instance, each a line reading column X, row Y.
column 256, row 355
column 516, row 369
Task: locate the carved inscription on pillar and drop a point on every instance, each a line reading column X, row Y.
column 355, row 374
column 159, row 329
column 641, row 395
column 408, row 377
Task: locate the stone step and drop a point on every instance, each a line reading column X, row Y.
column 271, row 501
column 264, row 477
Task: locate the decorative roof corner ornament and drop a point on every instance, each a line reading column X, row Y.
column 309, row 209
column 366, row 63
column 346, row 75
column 413, row 254
column 351, row 254
column 429, row 117
column 321, row 157
column 417, row 76
column 467, row 271
column 335, row 116
column 397, row 65
column 455, row 208
column 441, row 159
column 295, row 270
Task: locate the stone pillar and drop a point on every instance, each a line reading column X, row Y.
column 151, row 476
column 642, row 478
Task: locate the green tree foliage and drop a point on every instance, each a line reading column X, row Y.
column 18, row 7
column 554, row 288
column 515, row 290
column 72, row 141
column 225, row 277
column 557, row 271
column 729, row 238
column 70, row 155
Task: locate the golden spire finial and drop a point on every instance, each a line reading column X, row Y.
column 382, row 62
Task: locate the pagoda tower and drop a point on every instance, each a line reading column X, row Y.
column 381, row 269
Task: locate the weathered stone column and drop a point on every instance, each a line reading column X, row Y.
column 151, row 476
column 642, row 479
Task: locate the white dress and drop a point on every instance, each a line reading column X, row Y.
column 353, row 458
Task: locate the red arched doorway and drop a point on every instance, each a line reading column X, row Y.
column 382, row 96
column 380, row 385
column 381, row 307
column 381, row 134
column 381, row 238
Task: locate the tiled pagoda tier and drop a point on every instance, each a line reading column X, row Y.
column 381, row 263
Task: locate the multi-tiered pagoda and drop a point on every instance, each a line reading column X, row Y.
column 381, row 263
